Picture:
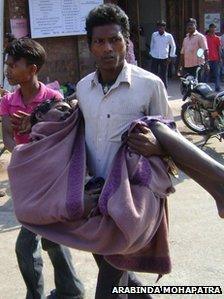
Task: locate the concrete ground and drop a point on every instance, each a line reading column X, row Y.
column 196, row 235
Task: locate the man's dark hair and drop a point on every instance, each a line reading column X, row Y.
column 192, row 21
column 212, row 25
column 107, row 14
column 28, row 49
column 161, row 23
column 43, row 108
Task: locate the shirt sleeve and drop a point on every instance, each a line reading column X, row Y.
column 152, row 44
column 182, row 49
column 203, row 43
column 4, row 106
column 173, row 46
column 78, row 95
column 58, row 95
column 159, row 104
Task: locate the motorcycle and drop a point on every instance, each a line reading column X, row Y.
column 203, row 112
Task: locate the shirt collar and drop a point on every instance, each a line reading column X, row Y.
column 195, row 33
column 123, row 77
column 164, row 34
column 17, row 96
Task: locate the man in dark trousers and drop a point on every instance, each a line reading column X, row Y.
column 116, row 94
column 214, row 55
column 162, row 49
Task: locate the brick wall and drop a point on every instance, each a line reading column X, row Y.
column 68, row 58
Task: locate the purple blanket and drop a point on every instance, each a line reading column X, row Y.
column 47, row 184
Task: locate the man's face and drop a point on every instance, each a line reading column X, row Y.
column 18, row 72
column 191, row 28
column 108, row 46
column 59, row 112
column 161, row 29
column 212, row 30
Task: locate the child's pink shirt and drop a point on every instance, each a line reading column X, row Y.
column 12, row 102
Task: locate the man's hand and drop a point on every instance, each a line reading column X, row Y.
column 207, row 67
column 21, row 122
column 144, row 143
column 91, row 200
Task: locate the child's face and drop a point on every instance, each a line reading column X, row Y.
column 18, row 72
column 59, row 112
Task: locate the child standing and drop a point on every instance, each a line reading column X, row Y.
column 25, row 57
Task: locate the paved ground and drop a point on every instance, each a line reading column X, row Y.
column 196, row 235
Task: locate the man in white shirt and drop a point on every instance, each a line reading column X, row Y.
column 110, row 99
column 162, row 47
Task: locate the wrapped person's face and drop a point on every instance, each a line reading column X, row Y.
column 59, row 112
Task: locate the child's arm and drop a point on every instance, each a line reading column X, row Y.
column 7, row 133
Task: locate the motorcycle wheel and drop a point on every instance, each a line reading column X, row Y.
column 192, row 118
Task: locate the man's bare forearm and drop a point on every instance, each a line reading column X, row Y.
column 181, row 62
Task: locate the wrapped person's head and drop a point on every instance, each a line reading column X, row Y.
column 52, row 110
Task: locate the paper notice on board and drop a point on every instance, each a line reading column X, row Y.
column 59, row 17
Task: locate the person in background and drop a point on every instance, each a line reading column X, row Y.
column 130, row 55
column 162, row 48
column 214, row 55
column 9, row 38
column 222, row 55
column 189, row 61
column 6, row 86
column 25, row 57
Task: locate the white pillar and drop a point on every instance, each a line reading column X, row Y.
column 1, row 39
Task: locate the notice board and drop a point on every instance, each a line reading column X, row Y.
column 49, row 18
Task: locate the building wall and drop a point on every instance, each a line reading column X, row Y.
column 68, row 58
column 211, row 7
column 149, row 13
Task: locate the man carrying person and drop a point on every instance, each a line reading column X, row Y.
column 214, row 55
column 25, row 58
column 162, row 48
column 189, row 61
column 110, row 99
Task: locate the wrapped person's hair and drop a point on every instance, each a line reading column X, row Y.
column 43, row 108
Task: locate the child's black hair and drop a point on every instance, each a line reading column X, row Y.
column 28, row 49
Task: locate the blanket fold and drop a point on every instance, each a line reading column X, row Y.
column 47, row 185
column 131, row 230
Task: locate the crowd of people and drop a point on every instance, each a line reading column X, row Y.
column 163, row 51
column 110, row 98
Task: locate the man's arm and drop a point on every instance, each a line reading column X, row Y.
column 181, row 62
column 203, row 44
column 144, row 142
column 219, row 46
column 7, row 133
column 172, row 46
column 152, row 44
column 158, row 103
